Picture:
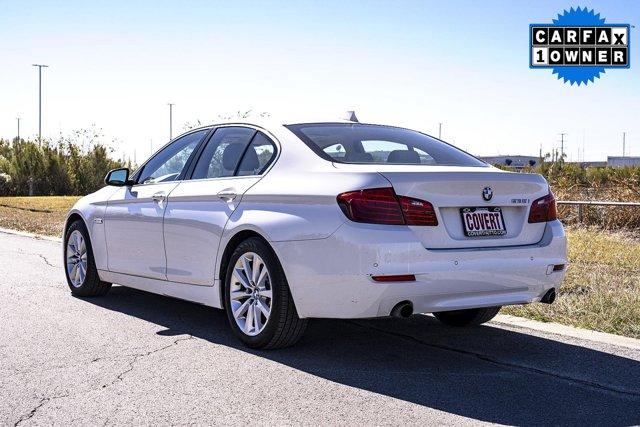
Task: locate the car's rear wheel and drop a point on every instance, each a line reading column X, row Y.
column 80, row 267
column 257, row 299
column 475, row 316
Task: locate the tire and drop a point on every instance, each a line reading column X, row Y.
column 282, row 327
column 89, row 283
column 472, row 317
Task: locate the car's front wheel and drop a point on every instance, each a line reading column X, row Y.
column 257, row 299
column 80, row 267
column 474, row 316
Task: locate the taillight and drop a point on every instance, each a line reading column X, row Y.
column 417, row 212
column 382, row 206
column 543, row 209
column 375, row 206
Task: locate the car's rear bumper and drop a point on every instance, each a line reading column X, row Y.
column 332, row 277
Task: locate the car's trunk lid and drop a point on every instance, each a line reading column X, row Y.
column 450, row 189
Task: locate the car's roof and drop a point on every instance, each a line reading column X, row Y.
column 269, row 121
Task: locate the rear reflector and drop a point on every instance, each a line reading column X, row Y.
column 395, row 278
column 553, row 268
column 543, row 209
column 383, row 206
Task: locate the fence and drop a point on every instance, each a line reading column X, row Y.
column 581, row 203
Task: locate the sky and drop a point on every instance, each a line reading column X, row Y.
column 114, row 65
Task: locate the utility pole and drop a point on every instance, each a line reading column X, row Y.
column 562, row 134
column 18, row 119
column 624, row 138
column 170, row 120
column 40, row 67
column 439, row 130
column 540, row 153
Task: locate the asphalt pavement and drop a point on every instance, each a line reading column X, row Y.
column 136, row 358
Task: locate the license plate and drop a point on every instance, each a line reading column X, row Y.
column 486, row 221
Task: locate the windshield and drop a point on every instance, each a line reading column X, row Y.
column 360, row 143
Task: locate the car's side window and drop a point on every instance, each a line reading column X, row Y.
column 167, row 164
column 258, row 156
column 223, row 152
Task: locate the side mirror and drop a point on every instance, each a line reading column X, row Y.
column 118, row 177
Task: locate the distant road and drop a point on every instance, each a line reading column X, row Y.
column 138, row 358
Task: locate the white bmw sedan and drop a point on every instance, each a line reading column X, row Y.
column 280, row 223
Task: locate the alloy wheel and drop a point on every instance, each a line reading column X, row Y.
column 250, row 293
column 76, row 258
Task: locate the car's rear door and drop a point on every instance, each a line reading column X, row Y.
column 134, row 214
column 198, row 209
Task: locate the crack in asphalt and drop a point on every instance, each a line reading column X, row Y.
column 139, row 356
column 43, row 401
column 43, row 257
column 40, row 404
column 46, row 261
column 525, row 368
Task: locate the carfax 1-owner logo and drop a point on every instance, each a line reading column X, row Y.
column 578, row 46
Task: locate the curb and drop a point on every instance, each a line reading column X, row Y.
column 31, row 235
column 501, row 319
column 567, row 331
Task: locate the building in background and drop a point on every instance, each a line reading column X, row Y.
column 520, row 162
column 620, row 162
column 584, row 165
column 516, row 162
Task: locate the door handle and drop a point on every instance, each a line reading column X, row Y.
column 228, row 194
column 158, row 197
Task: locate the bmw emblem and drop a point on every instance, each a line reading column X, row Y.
column 487, row 193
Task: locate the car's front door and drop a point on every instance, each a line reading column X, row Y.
column 134, row 215
column 198, row 209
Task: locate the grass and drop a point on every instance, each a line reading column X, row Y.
column 601, row 290
column 41, row 215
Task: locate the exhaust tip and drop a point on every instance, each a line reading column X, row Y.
column 549, row 297
column 402, row 309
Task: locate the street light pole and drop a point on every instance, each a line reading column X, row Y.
column 40, row 66
column 439, row 130
column 18, row 119
column 170, row 120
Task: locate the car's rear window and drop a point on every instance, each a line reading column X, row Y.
column 375, row 144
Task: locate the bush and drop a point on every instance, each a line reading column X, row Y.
column 5, row 182
column 74, row 165
column 569, row 181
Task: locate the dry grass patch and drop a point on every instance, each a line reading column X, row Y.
column 41, row 215
column 601, row 290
